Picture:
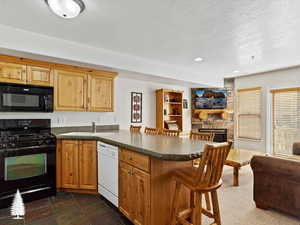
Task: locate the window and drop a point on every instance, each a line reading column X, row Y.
column 249, row 113
column 286, row 120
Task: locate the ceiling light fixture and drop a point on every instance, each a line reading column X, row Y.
column 66, row 8
column 236, row 71
column 198, row 59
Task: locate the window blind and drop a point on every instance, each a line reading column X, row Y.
column 249, row 113
column 286, row 120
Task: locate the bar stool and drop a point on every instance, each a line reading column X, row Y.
column 202, row 136
column 209, row 137
column 174, row 133
column 135, row 128
column 149, row 130
column 204, row 179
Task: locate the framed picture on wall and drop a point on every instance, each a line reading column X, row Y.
column 185, row 104
column 136, row 107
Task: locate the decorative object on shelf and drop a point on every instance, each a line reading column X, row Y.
column 66, row 8
column 136, row 107
column 185, row 104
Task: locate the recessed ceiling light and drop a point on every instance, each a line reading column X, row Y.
column 66, row 8
column 198, row 59
column 236, row 71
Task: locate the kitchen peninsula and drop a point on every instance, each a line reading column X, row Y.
column 145, row 166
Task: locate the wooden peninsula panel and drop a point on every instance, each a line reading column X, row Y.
column 162, row 189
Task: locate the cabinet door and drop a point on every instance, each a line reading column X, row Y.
column 125, row 190
column 39, row 76
column 11, row 72
column 70, row 176
column 100, row 93
column 70, row 91
column 141, row 190
column 88, row 165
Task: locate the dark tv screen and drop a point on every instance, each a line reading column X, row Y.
column 210, row 99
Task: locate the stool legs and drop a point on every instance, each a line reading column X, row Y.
column 207, row 201
column 196, row 213
column 175, row 204
column 216, row 208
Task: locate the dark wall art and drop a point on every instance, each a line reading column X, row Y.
column 136, row 107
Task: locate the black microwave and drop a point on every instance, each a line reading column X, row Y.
column 25, row 98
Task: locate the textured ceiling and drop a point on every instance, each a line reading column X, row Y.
column 225, row 33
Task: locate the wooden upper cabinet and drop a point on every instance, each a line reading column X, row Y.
column 12, row 72
column 100, row 93
column 88, row 165
column 70, row 164
column 39, row 76
column 70, row 90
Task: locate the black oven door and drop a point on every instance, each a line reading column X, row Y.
column 29, row 169
column 25, row 98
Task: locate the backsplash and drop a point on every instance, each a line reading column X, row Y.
column 67, row 118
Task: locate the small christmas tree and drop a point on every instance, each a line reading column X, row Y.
column 17, row 207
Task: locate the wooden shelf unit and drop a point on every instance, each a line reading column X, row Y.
column 169, row 107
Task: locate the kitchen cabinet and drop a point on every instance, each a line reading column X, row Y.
column 83, row 92
column 141, row 196
column 100, row 93
column 12, row 73
column 125, row 190
column 70, row 90
column 79, row 165
column 39, row 76
column 134, row 193
column 88, row 165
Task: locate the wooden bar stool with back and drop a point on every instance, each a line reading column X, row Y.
column 204, row 179
column 153, row 131
column 174, row 133
column 135, row 128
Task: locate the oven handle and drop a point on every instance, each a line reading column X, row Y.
column 30, row 148
column 26, row 192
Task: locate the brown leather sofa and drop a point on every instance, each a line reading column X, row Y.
column 277, row 184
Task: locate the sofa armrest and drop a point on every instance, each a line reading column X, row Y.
column 277, row 166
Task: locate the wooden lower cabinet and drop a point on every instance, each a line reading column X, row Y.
column 78, row 165
column 88, row 165
column 141, row 196
column 125, row 190
column 134, row 194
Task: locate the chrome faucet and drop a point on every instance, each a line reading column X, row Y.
column 94, row 128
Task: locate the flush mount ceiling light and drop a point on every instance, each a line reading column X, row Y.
column 66, row 8
column 198, row 59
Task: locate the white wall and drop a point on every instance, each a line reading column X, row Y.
column 121, row 116
column 267, row 81
column 123, row 89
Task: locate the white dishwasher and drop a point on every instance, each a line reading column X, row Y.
column 108, row 172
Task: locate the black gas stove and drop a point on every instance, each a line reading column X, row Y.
column 27, row 159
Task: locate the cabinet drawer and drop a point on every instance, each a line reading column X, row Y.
column 135, row 159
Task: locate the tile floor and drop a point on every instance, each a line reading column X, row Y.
column 68, row 209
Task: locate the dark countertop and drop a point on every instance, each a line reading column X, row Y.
column 161, row 147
